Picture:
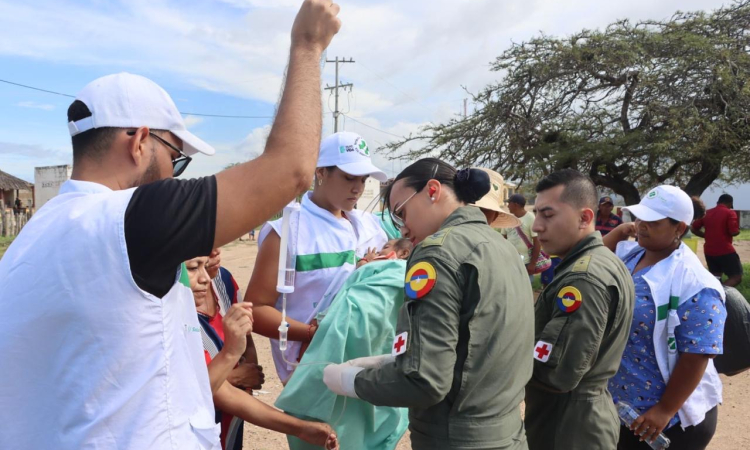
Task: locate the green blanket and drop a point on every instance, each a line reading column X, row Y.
column 360, row 322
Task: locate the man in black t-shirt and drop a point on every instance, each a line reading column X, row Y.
column 109, row 346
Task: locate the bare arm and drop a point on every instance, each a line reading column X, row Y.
column 219, row 369
column 683, row 381
column 261, row 292
column 621, row 233
column 239, row 403
column 250, row 193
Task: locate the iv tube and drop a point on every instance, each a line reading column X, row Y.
column 287, row 263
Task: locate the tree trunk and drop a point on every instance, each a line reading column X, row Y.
column 621, row 187
column 710, row 171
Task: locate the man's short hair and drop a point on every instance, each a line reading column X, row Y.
column 518, row 199
column 91, row 144
column 725, row 199
column 579, row 190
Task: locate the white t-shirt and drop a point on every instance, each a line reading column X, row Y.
column 527, row 221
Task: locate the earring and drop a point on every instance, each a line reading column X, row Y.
column 432, row 198
column 320, row 182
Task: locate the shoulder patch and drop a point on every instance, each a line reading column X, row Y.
column 437, row 239
column 569, row 299
column 582, row 265
column 420, row 279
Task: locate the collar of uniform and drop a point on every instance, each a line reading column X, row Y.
column 88, row 187
column 464, row 214
column 592, row 240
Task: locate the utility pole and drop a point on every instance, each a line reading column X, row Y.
column 335, row 89
column 466, row 102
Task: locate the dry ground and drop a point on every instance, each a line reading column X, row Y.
column 732, row 434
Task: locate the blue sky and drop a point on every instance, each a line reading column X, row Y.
column 228, row 56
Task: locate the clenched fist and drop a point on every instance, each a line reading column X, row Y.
column 315, row 25
column 238, row 323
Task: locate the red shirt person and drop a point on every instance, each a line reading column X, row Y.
column 605, row 220
column 720, row 224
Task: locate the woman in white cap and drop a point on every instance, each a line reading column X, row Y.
column 667, row 374
column 330, row 237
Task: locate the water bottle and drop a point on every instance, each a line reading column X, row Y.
column 628, row 415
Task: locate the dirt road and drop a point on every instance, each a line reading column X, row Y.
column 733, row 433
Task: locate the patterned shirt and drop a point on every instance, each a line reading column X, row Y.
column 639, row 381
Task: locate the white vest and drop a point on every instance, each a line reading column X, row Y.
column 90, row 361
column 672, row 282
column 327, row 249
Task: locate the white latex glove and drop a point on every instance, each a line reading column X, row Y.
column 340, row 378
column 372, row 362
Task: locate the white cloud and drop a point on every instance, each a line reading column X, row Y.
column 254, row 143
column 35, row 105
column 191, row 121
column 412, row 57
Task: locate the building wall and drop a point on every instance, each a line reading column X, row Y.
column 744, row 217
column 47, row 182
column 371, row 192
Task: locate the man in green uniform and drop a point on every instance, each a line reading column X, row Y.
column 462, row 353
column 582, row 323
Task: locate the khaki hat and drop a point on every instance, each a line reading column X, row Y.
column 493, row 199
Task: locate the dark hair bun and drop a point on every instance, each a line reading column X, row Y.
column 471, row 184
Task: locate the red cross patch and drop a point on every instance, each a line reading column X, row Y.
column 399, row 344
column 542, row 351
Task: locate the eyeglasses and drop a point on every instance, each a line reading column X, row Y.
column 398, row 220
column 180, row 163
column 395, row 217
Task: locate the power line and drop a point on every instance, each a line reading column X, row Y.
column 223, row 116
column 370, row 126
column 37, row 89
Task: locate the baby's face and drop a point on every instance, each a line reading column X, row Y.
column 388, row 247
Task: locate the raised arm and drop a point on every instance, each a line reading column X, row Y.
column 250, row 193
column 622, row 233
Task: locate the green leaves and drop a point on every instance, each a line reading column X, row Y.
column 634, row 105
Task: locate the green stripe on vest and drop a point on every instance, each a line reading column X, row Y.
column 306, row 263
column 663, row 310
column 184, row 276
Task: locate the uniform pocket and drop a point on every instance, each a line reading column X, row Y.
column 554, row 334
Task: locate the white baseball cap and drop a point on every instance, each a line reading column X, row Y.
column 664, row 202
column 350, row 153
column 125, row 100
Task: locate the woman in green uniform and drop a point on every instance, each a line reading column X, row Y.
column 462, row 351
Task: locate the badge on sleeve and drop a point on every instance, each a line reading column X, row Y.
column 420, row 280
column 542, row 351
column 399, row 344
column 569, row 299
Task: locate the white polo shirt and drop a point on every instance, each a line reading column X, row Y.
column 91, row 361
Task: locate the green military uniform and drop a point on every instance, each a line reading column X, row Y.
column 464, row 341
column 582, row 323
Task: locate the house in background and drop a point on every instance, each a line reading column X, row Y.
column 12, row 188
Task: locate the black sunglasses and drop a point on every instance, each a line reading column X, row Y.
column 180, row 163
